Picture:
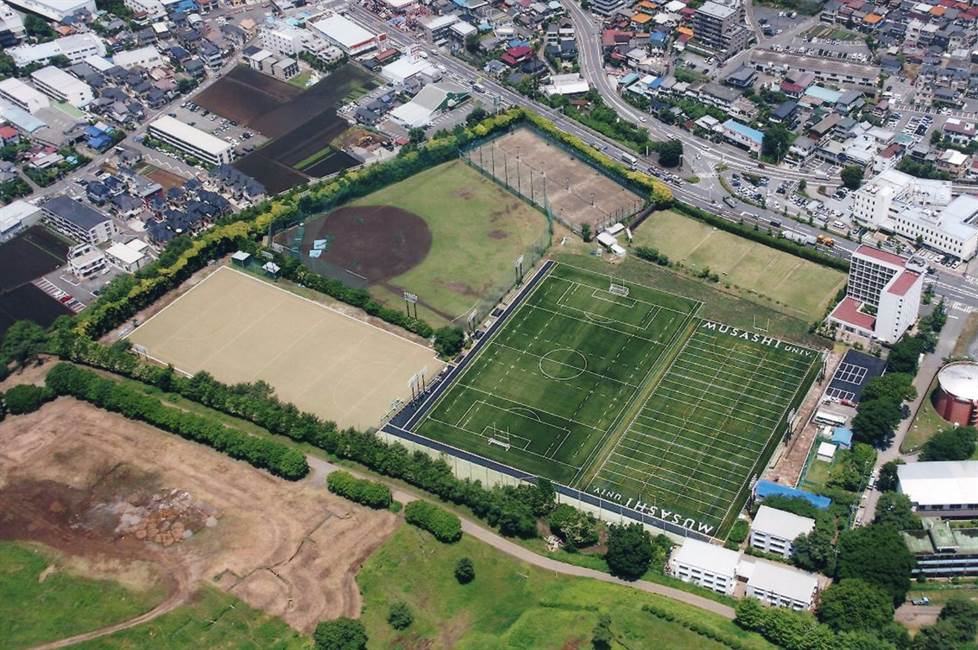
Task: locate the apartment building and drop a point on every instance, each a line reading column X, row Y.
column 61, row 86
column 773, row 530
column 77, row 220
column 719, row 27
column 23, row 96
column 882, row 296
column 191, row 140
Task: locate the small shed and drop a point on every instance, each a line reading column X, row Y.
column 842, row 437
column 826, row 451
column 240, row 258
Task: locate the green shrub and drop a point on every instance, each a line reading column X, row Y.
column 738, row 532
column 26, row 398
column 368, row 493
column 445, row 526
column 399, row 616
column 464, row 571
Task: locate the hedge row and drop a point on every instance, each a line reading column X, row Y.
column 761, row 236
column 368, row 493
column 693, row 626
column 277, row 458
column 445, row 526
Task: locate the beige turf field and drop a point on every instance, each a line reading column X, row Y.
column 242, row 329
column 799, row 288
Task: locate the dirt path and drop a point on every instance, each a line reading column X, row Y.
column 320, row 468
column 175, row 599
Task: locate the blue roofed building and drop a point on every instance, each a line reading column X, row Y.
column 842, row 436
column 743, row 136
column 764, row 489
column 97, row 138
column 827, row 95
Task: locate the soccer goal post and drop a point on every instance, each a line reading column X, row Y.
column 499, row 438
column 617, row 289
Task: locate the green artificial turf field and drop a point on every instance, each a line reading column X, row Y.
column 556, row 378
column 630, row 397
column 708, row 426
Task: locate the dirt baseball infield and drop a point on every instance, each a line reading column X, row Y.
column 366, row 245
column 242, row 329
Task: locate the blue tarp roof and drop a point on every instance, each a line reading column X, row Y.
column 657, row 37
column 842, row 436
column 769, row 488
column 744, row 130
column 825, row 94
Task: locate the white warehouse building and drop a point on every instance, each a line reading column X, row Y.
column 56, row 10
column 23, row 96
column 773, row 530
column 192, row 141
column 946, row 488
column 345, row 34
column 76, row 47
column 58, row 84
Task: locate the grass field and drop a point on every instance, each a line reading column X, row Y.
column 796, row 286
column 556, row 378
column 38, row 605
column 514, row 605
column 213, row 620
column 478, row 229
column 240, row 328
column 631, row 397
column 706, row 428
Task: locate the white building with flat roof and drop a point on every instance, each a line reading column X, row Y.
column 75, row 47
column 146, row 57
column 152, row 9
column 56, row 10
column 22, row 95
column 947, row 488
column 706, row 565
column 777, row 584
column 282, row 38
column 129, row 256
column 407, row 68
column 61, row 86
column 773, row 530
column 882, row 296
column 15, row 217
column 345, row 34
column 914, row 207
column 11, row 26
column 191, row 140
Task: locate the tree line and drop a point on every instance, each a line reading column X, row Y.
column 276, row 457
column 368, row 493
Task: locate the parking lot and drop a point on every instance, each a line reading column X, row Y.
column 244, row 140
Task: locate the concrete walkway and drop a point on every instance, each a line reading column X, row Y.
column 320, row 468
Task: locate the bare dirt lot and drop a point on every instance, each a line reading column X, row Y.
column 241, row 328
column 577, row 194
column 111, row 491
